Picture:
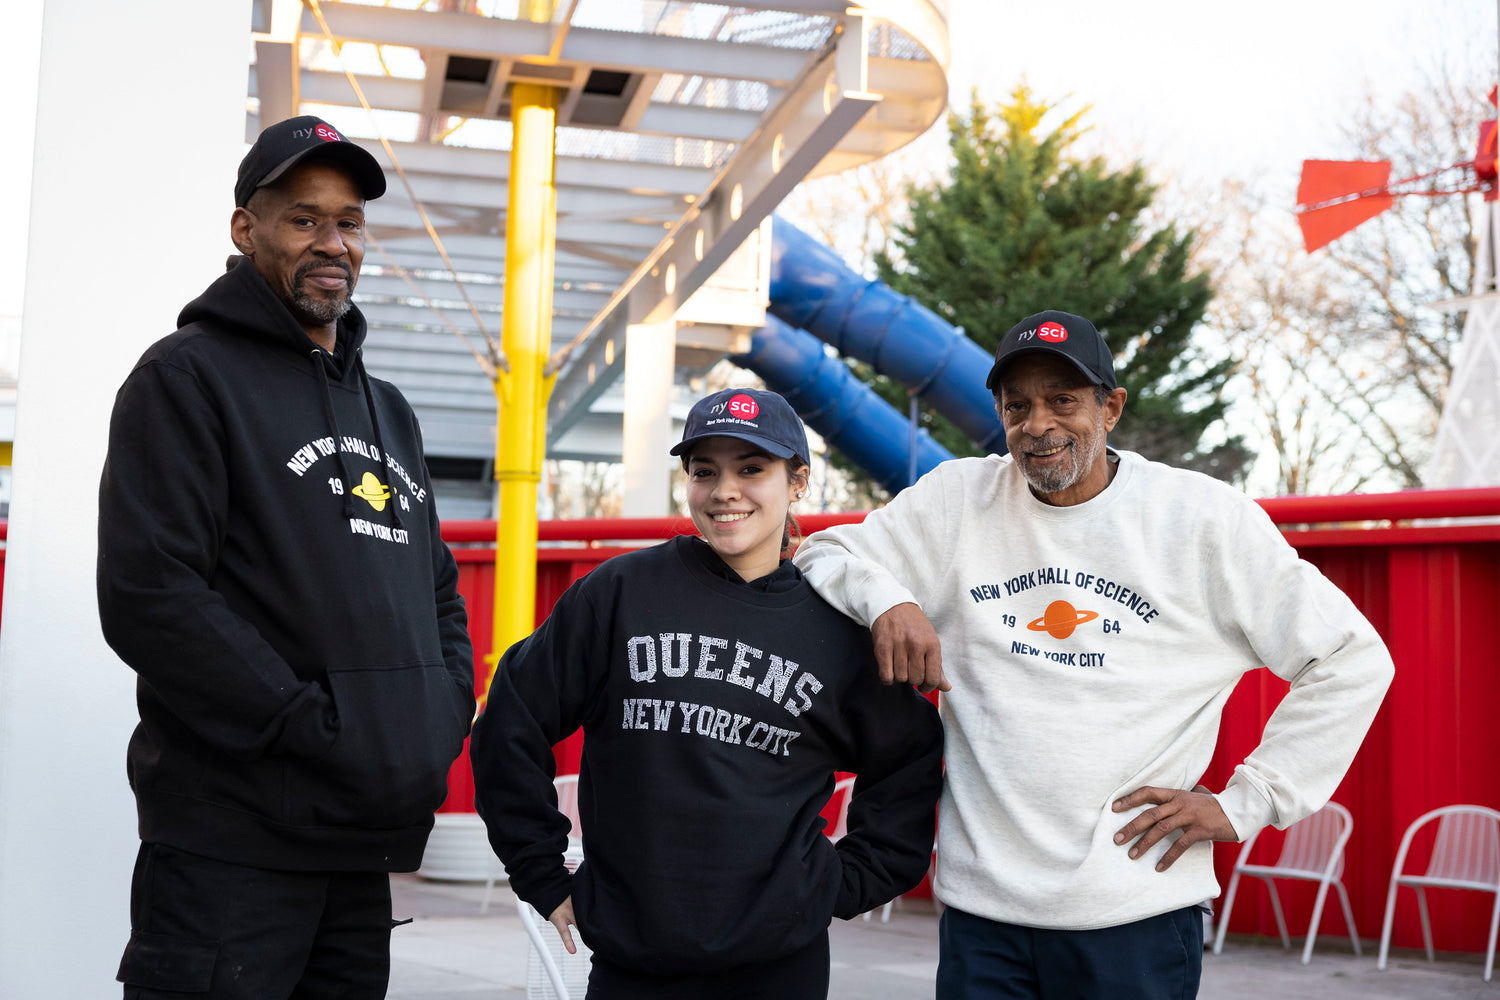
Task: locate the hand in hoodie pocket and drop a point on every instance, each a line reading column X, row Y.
column 400, row 728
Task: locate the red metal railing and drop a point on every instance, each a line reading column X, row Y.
column 1356, row 509
column 1483, row 502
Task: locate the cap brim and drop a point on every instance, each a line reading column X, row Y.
column 1021, row 352
column 765, row 444
column 365, row 168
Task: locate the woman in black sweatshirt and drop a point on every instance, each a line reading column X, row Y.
column 718, row 694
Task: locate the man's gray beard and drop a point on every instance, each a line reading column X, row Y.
column 1085, row 453
column 321, row 310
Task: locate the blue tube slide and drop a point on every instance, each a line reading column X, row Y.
column 812, row 289
column 846, row 412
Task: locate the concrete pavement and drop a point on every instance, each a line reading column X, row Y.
column 452, row 952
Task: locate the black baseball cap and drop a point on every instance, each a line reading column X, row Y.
column 1060, row 333
column 759, row 416
column 287, row 143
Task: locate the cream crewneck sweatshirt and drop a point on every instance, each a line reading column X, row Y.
column 1091, row 650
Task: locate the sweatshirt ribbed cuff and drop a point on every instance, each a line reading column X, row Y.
column 878, row 598
column 1246, row 809
column 547, row 893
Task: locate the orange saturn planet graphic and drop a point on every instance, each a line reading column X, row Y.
column 1061, row 619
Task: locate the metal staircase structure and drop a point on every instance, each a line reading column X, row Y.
column 680, row 126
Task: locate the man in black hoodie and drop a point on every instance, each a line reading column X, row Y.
column 271, row 568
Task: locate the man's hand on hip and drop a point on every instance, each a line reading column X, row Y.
column 1196, row 814
column 907, row 649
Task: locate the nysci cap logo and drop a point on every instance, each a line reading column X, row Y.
column 743, row 407
column 1051, row 331
column 327, row 134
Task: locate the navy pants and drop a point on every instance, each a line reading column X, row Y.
column 803, row 975
column 1159, row 958
column 201, row 928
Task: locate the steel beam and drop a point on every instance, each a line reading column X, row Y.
column 689, row 121
column 813, row 117
column 477, row 35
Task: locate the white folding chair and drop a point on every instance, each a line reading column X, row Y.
column 1313, row 851
column 1465, row 855
column 551, row 973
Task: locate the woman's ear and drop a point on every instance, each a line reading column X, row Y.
column 798, row 482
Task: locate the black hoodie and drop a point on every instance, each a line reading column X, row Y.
column 270, row 566
column 715, row 713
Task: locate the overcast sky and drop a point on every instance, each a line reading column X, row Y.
column 1209, row 88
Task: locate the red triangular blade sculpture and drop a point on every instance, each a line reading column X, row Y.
column 1362, row 184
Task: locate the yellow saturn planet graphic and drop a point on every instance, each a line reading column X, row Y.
column 372, row 491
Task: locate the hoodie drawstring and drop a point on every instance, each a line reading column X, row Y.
column 364, row 382
column 338, row 439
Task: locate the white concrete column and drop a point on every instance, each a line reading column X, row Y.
column 650, row 352
column 18, row 71
column 140, row 120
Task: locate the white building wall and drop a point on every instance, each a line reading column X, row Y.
column 140, row 118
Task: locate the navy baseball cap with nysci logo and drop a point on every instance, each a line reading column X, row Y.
column 287, row 143
column 759, row 416
column 1060, row 333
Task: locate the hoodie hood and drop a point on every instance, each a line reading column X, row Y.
column 240, row 302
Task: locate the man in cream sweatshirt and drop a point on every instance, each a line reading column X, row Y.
column 1088, row 614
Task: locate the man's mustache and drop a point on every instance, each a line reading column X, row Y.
column 307, row 269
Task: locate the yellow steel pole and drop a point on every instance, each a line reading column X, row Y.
column 521, row 394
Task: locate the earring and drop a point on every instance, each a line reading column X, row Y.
column 801, row 494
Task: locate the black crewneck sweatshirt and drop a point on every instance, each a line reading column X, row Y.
column 715, row 713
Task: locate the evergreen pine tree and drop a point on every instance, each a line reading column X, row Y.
column 1018, row 227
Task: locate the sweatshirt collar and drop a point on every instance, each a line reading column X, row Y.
column 1105, row 498
column 698, row 554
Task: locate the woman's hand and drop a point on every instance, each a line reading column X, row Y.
column 562, row 919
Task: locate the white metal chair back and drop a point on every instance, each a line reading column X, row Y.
column 1465, row 855
column 1312, row 851
column 1467, row 848
column 1317, row 842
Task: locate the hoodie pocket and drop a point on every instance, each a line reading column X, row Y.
column 400, row 728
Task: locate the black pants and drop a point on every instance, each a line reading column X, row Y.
column 208, row 929
column 1159, row 958
column 802, row 975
